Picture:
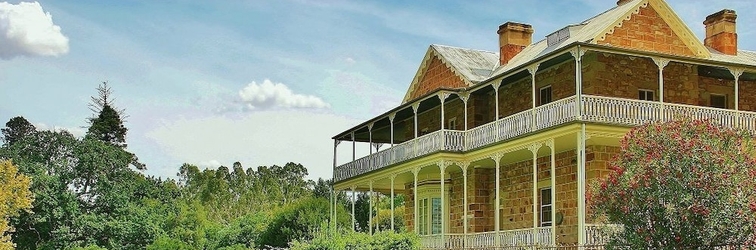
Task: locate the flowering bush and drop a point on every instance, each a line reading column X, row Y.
column 680, row 184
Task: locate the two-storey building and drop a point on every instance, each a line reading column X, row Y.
column 497, row 148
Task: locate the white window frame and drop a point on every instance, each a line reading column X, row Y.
column 541, row 221
column 540, row 95
column 452, row 124
column 646, row 92
column 426, row 194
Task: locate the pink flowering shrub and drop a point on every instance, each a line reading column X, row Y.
column 680, row 185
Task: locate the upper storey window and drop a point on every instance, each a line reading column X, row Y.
column 645, row 95
column 545, row 95
column 718, row 101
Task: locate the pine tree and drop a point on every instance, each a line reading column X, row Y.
column 107, row 125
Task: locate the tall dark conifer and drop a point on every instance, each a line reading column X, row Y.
column 107, row 124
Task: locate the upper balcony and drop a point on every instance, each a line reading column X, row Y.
column 585, row 108
column 583, row 83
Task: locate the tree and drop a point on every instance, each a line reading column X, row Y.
column 680, row 185
column 16, row 128
column 107, row 125
column 14, row 197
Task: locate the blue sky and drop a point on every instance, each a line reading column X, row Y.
column 260, row 82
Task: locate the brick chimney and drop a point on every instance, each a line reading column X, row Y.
column 720, row 32
column 513, row 38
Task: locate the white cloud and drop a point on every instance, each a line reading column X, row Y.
column 27, row 30
column 79, row 132
column 277, row 95
column 256, row 139
column 209, row 164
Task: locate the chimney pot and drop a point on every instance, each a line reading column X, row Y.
column 513, row 38
column 721, row 34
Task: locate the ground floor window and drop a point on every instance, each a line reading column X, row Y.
column 429, row 210
column 546, row 207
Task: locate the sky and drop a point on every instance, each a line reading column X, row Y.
column 259, row 82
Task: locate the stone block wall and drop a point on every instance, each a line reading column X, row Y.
column 618, row 75
column 436, row 76
column 647, row 31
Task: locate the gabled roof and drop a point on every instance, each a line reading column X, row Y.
column 596, row 28
column 470, row 65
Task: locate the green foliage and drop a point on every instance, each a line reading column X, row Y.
column 14, row 198
column 298, row 221
column 86, row 194
column 168, row 243
column 329, row 239
column 383, row 219
column 107, row 124
column 17, row 128
column 680, row 184
column 244, row 232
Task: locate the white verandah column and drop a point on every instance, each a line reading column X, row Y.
column 736, row 73
column 578, row 53
column 497, row 223
column 534, row 149
column 581, row 184
column 442, row 167
column 393, row 176
column 354, row 216
column 661, row 63
column 414, row 190
column 533, row 69
column 550, row 144
column 370, row 138
column 464, row 166
column 391, row 121
column 370, row 208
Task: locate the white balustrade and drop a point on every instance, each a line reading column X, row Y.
column 481, row 240
column 598, row 109
column 599, row 234
column 432, row 242
column 517, row 237
column 515, row 125
column 454, row 140
column 454, row 241
column 481, row 136
column 556, row 113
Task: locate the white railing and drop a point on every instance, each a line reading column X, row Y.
column 481, row 135
column 485, row 240
column 454, row 140
column 599, row 234
column 515, row 125
column 482, row 240
column 454, row 241
column 598, row 109
column 556, row 113
column 432, row 242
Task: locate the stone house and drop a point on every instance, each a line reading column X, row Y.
column 498, row 148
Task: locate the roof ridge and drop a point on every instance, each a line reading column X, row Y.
column 455, row 47
column 586, row 21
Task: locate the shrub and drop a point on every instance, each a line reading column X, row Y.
column 329, row 239
column 680, row 185
column 299, row 220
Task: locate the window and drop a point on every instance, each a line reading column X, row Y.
column 718, row 101
column 423, row 213
column 429, row 210
column 452, row 123
column 545, row 95
column 546, row 207
column 645, row 95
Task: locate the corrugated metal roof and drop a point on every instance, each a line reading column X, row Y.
column 474, row 65
column 582, row 32
column 743, row 57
